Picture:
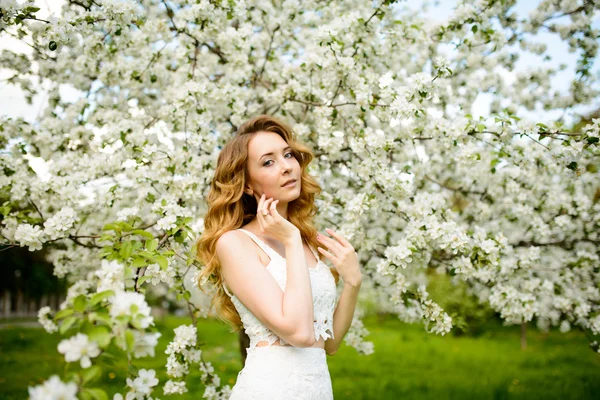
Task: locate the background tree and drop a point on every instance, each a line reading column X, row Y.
column 504, row 203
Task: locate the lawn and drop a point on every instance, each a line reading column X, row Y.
column 407, row 364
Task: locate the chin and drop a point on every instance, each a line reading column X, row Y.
column 290, row 195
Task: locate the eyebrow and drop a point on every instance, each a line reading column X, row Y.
column 270, row 154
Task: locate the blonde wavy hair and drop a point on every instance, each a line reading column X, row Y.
column 230, row 208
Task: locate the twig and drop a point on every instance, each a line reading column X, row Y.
column 38, row 210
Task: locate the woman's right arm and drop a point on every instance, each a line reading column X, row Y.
column 289, row 315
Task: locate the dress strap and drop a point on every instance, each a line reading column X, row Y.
column 227, row 290
column 314, row 253
column 272, row 253
column 265, row 247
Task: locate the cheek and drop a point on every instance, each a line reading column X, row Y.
column 269, row 184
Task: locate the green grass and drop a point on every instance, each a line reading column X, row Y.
column 407, row 363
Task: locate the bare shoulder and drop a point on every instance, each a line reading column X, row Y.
column 231, row 241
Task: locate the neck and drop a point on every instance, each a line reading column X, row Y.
column 282, row 209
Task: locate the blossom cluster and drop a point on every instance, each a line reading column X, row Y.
column 183, row 352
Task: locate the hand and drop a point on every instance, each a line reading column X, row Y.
column 343, row 257
column 273, row 224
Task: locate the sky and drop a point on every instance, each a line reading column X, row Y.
column 13, row 104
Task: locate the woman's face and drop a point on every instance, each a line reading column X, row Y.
column 271, row 163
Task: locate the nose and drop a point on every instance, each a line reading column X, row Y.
column 286, row 165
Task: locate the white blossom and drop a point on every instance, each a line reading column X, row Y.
column 53, row 389
column 111, row 276
column 386, row 79
column 28, row 235
column 131, row 304
column 142, row 385
column 127, row 212
column 60, row 223
column 47, row 323
column 79, row 348
column 172, row 387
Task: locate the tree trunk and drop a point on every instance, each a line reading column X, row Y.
column 43, row 301
column 6, row 305
column 19, row 305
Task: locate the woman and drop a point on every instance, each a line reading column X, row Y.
column 258, row 247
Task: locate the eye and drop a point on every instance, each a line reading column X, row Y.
column 265, row 164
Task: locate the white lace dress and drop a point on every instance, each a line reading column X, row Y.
column 287, row 372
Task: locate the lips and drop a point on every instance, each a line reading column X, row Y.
column 291, row 180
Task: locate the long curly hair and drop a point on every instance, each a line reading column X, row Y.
column 230, row 208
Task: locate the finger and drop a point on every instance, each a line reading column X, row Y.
column 266, row 205
column 331, row 244
column 260, row 202
column 274, row 208
column 259, row 214
column 327, row 254
column 261, row 220
column 340, row 238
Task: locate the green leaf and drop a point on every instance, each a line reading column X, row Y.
column 85, row 395
column 66, row 324
column 137, row 322
column 108, row 357
column 101, row 335
column 80, row 303
column 146, row 255
column 151, row 245
column 52, row 45
column 91, row 373
column 95, row 393
column 98, row 297
column 592, row 140
column 144, row 279
column 136, row 245
column 143, row 233
column 125, row 226
column 180, row 236
column 129, row 340
column 63, row 313
column 126, row 249
column 101, row 317
column 133, row 370
column 105, row 238
column 572, row 165
column 162, row 261
column 139, row 262
column 111, row 227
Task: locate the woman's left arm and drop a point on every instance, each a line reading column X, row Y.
column 344, row 258
column 342, row 317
